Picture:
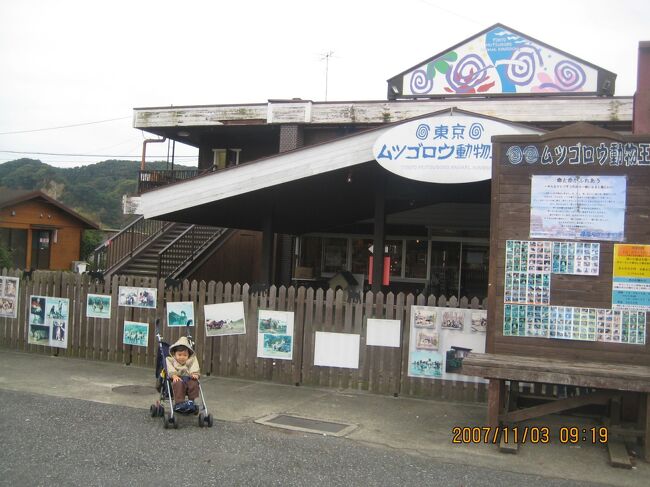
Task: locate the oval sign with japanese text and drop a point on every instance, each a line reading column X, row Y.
column 443, row 149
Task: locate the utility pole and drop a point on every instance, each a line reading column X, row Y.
column 326, row 57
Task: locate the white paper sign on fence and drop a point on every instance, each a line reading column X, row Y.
column 337, row 350
column 383, row 333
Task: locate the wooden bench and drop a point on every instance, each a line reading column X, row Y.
column 608, row 378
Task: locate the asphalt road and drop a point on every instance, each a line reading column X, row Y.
column 68, row 442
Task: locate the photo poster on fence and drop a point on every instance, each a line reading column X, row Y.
column 441, row 337
column 9, row 297
column 383, row 333
column 48, row 321
column 98, row 306
column 180, row 313
column 337, row 350
column 135, row 333
column 225, row 319
column 137, row 297
column 275, row 334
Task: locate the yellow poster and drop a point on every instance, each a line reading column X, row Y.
column 631, row 260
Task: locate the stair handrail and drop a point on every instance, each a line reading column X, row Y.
column 115, row 250
column 177, row 255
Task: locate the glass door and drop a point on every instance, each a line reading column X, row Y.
column 445, row 260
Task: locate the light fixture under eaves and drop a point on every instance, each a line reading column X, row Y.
column 183, row 133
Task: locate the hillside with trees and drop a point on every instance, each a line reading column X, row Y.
column 94, row 191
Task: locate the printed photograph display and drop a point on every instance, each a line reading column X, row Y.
column 573, row 323
column 180, row 313
column 424, row 316
column 275, row 334
column 479, row 321
column 9, row 296
column 528, row 272
column 48, row 321
column 427, row 339
column 578, row 258
column 425, row 364
column 224, row 319
column 441, row 337
column 98, row 306
column 453, row 319
column 137, row 297
column 136, row 333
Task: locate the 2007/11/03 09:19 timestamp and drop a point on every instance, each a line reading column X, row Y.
column 570, row 435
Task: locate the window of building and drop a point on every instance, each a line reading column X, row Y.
column 223, row 158
column 15, row 241
column 416, row 259
column 394, row 251
column 474, row 271
column 360, row 255
column 445, row 260
column 310, row 253
column 335, row 254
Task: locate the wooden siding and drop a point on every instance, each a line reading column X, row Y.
column 524, row 110
column 510, row 220
column 38, row 214
column 381, row 369
column 238, row 259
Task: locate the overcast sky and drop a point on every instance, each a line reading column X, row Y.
column 70, row 62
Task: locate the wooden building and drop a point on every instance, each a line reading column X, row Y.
column 304, row 174
column 40, row 232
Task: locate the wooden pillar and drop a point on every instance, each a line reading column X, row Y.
column 646, row 439
column 291, row 137
column 28, row 254
column 267, row 251
column 496, row 389
column 380, row 232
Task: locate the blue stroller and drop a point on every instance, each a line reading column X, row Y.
column 163, row 386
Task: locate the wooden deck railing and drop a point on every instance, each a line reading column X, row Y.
column 122, row 245
column 149, row 180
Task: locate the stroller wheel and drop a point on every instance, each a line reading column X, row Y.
column 209, row 421
column 166, row 422
column 201, row 420
column 160, row 410
column 175, row 422
column 153, row 411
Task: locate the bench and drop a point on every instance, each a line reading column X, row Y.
column 609, row 379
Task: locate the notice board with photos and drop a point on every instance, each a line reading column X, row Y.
column 570, row 246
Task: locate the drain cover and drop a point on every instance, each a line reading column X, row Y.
column 134, row 389
column 308, row 425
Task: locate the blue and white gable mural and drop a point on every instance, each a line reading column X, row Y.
column 500, row 60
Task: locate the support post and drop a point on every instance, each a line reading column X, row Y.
column 267, row 251
column 380, row 233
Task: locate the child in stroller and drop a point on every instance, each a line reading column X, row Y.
column 177, row 375
column 184, row 371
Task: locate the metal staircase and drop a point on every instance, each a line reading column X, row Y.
column 149, row 248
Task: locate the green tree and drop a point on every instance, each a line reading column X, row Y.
column 5, row 257
column 89, row 242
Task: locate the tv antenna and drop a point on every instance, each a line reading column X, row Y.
column 326, row 57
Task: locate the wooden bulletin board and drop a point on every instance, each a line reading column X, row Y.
column 588, row 190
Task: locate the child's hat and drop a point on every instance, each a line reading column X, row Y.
column 182, row 342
